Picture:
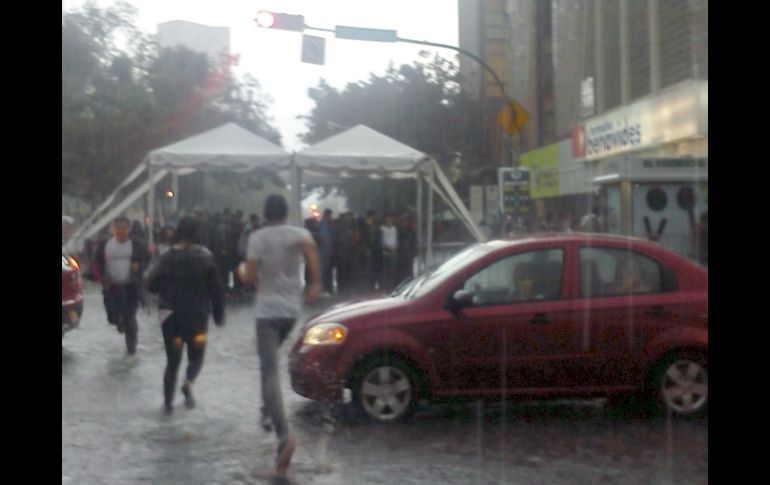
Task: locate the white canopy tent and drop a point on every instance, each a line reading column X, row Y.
column 357, row 151
column 228, row 147
column 364, row 151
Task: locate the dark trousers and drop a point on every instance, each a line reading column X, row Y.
column 389, row 278
column 178, row 331
column 121, row 303
column 327, row 270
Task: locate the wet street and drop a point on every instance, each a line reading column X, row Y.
column 114, row 432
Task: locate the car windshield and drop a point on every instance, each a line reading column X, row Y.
column 432, row 279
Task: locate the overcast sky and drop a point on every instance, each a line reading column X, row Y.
column 273, row 57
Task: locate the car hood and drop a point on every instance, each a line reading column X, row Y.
column 346, row 312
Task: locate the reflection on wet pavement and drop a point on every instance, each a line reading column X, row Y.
column 114, row 431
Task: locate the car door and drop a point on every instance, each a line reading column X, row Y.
column 511, row 342
column 625, row 297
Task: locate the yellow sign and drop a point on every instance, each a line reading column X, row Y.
column 513, row 117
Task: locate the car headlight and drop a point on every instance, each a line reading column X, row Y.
column 325, row 334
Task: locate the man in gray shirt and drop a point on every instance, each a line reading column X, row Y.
column 120, row 262
column 273, row 258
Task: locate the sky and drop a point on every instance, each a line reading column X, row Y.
column 273, row 56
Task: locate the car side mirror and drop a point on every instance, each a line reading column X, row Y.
column 459, row 300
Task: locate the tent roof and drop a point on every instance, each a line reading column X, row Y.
column 360, row 149
column 227, row 147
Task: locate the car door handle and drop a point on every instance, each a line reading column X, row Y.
column 540, row 319
column 658, row 311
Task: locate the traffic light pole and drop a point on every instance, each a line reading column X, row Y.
column 476, row 58
column 489, row 70
column 297, row 23
column 445, row 46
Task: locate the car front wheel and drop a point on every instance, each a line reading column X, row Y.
column 385, row 390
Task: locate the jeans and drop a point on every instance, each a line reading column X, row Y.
column 121, row 303
column 271, row 332
column 176, row 334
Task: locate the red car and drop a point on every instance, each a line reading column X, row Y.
column 71, row 294
column 550, row 316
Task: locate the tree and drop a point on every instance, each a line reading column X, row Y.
column 122, row 96
column 420, row 105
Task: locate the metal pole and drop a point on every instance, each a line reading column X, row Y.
column 175, row 190
column 429, row 242
column 151, row 205
column 420, row 255
column 296, row 192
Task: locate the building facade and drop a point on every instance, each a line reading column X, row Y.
column 618, row 96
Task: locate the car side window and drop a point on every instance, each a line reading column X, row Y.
column 614, row 272
column 529, row 276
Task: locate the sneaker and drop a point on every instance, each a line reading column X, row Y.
column 189, row 399
column 285, row 452
column 168, row 409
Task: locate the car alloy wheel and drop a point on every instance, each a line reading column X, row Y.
column 684, row 386
column 386, row 393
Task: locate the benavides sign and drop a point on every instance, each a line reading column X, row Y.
column 676, row 114
column 609, row 137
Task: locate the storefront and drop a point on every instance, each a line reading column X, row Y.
column 660, row 199
column 645, row 165
column 562, row 190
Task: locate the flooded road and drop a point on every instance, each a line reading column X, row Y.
column 114, row 431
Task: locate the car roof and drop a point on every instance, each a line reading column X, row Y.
column 592, row 237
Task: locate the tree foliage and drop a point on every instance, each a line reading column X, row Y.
column 123, row 95
column 420, row 105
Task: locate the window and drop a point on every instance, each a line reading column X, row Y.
column 530, row 276
column 609, row 272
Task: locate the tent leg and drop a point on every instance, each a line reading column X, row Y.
column 151, row 206
column 420, row 255
column 175, row 190
column 429, row 242
column 296, row 193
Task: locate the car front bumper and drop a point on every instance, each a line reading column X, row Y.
column 314, row 375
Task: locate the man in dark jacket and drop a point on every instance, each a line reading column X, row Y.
column 189, row 288
column 120, row 262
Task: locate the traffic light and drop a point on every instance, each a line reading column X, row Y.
column 280, row 21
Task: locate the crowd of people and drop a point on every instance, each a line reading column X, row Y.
column 364, row 253
column 359, row 254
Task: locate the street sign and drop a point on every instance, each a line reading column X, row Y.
column 514, row 191
column 512, row 117
column 359, row 33
column 313, row 49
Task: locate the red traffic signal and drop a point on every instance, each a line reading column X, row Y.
column 280, row 21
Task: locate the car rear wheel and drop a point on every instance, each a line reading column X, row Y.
column 385, row 390
column 681, row 383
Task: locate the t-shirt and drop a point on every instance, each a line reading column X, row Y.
column 117, row 258
column 389, row 237
column 278, row 251
column 590, row 223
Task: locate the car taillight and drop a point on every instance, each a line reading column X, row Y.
column 74, row 263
